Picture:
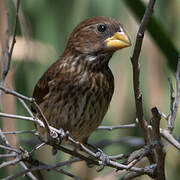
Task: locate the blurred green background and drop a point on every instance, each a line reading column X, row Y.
column 41, row 38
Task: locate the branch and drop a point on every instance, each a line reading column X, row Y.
column 7, row 155
column 9, row 148
column 8, row 55
column 24, row 156
column 136, row 70
column 174, row 106
column 42, row 166
column 159, row 151
column 10, row 163
column 31, row 100
column 31, row 176
column 19, row 132
column 110, row 128
column 19, row 117
column 5, row 54
column 110, row 163
column 13, row 154
column 166, row 135
column 14, row 35
column 157, row 31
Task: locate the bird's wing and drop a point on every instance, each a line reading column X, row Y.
column 42, row 87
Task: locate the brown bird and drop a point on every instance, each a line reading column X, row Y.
column 75, row 92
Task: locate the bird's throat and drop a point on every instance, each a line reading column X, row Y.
column 89, row 62
column 97, row 62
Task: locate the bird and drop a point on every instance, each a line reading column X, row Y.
column 74, row 93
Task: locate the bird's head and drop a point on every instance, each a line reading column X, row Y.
column 98, row 35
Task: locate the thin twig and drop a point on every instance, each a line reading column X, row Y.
column 9, row 148
column 31, row 100
column 174, row 106
column 19, row 132
column 177, row 91
column 13, row 154
column 110, row 128
column 29, row 174
column 169, row 137
column 10, row 163
column 37, row 147
column 8, row 54
column 163, row 115
column 110, row 162
column 7, row 155
column 14, row 36
column 19, row 117
column 136, row 70
column 3, row 139
column 172, row 99
column 5, row 54
column 14, row 93
column 42, row 167
column 26, row 107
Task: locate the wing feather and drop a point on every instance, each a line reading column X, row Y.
column 42, row 87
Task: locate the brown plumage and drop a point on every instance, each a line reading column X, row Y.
column 75, row 92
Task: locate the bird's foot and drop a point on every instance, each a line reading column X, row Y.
column 60, row 136
column 100, row 155
column 63, row 134
column 104, row 159
column 53, row 137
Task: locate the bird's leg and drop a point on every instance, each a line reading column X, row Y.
column 58, row 140
column 100, row 155
column 63, row 134
column 37, row 147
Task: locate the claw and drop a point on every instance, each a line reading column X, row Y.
column 104, row 160
column 63, row 134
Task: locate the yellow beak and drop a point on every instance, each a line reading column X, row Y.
column 118, row 41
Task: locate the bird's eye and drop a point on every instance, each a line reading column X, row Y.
column 101, row 28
